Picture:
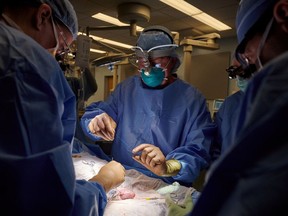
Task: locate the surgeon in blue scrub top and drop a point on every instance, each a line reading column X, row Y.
column 159, row 124
column 227, row 115
column 251, row 178
column 38, row 116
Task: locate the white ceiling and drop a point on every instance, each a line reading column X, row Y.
column 161, row 14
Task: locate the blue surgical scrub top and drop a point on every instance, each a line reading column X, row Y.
column 37, row 125
column 175, row 119
column 251, row 177
column 226, row 120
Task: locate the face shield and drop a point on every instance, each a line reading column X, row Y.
column 146, row 57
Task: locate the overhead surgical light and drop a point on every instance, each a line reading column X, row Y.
column 116, row 43
column 128, row 15
column 131, row 13
column 112, row 20
column 97, row 51
column 111, row 59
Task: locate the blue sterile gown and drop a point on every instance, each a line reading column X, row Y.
column 37, row 124
column 251, row 178
column 175, row 119
column 226, row 120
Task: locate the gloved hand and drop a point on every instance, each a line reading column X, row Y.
column 179, row 210
column 153, row 159
column 111, row 175
column 103, row 126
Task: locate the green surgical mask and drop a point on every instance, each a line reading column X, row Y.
column 154, row 77
column 242, row 83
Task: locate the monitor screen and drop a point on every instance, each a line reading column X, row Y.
column 217, row 104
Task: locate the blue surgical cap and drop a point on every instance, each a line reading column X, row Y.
column 154, row 36
column 249, row 12
column 65, row 13
column 61, row 9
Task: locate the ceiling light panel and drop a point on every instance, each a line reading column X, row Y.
column 196, row 13
column 113, row 20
